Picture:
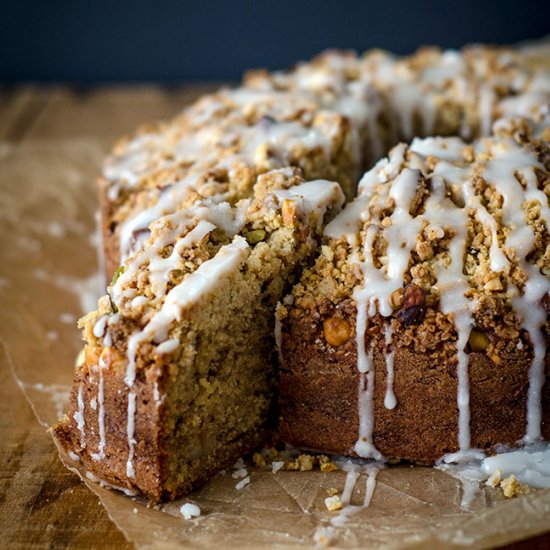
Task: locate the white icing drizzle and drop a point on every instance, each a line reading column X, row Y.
column 130, row 470
column 205, row 216
column 156, row 393
column 486, row 103
column 167, row 346
column 377, row 285
column 74, row 456
column 100, row 455
column 452, row 285
column 100, row 326
column 314, row 196
column 79, row 415
column 353, row 470
column 509, row 160
column 390, row 401
column 530, row 466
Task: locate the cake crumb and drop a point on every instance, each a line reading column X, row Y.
column 305, row 462
column 259, row 460
column 333, row 503
column 326, row 465
column 243, row 483
column 189, row 510
column 495, row 478
column 511, row 487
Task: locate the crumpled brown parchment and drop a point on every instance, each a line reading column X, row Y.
column 49, row 277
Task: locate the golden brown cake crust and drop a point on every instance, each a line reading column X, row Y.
column 319, row 387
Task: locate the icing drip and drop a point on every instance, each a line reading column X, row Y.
column 79, row 416
column 353, row 470
column 314, row 196
column 378, row 286
column 452, row 285
column 486, row 103
column 100, row 455
column 167, row 346
column 509, row 160
column 130, row 471
column 389, row 399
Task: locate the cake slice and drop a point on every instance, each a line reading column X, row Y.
column 178, row 379
column 422, row 328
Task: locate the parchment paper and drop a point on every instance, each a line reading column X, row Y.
column 49, row 276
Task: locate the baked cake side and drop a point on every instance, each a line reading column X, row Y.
column 422, row 328
column 178, row 379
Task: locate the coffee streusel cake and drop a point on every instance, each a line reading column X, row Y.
column 419, row 330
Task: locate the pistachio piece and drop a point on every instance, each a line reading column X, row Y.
column 118, row 272
column 255, row 236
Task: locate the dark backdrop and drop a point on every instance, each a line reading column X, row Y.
column 171, row 40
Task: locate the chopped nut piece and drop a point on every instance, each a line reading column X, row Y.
column 478, row 341
column 333, row 503
column 337, row 331
column 511, row 487
column 290, row 212
column 493, row 285
column 414, row 305
column 332, row 491
column 396, row 299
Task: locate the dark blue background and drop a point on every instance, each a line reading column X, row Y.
column 170, row 40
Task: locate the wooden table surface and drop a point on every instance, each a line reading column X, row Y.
column 51, row 508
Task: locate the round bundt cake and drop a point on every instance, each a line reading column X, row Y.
column 418, row 330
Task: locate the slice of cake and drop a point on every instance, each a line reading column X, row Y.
column 422, row 328
column 178, row 379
